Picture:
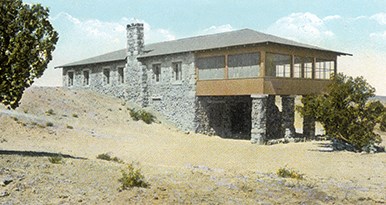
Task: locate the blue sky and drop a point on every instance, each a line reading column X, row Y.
column 92, row 27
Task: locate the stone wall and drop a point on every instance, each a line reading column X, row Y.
column 228, row 117
column 114, row 88
column 176, row 100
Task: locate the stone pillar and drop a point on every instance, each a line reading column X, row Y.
column 259, row 119
column 288, row 116
column 309, row 127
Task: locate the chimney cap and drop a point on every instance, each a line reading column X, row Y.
column 134, row 25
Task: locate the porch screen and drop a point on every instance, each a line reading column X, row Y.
column 278, row 65
column 324, row 68
column 244, row 65
column 210, row 68
column 303, row 67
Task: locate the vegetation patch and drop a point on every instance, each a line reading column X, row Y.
column 132, row 177
column 286, row 172
column 57, row 159
column 75, row 115
column 147, row 117
column 50, row 112
column 107, row 157
column 346, row 112
column 49, row 124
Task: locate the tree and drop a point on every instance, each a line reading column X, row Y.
column 27, row 40
column 345, row 111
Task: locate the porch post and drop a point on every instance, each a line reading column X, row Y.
column 309, row 127
column 259, row 119
column 288, row 116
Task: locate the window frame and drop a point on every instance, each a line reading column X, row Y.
column 88, row 77
column 106, row 78
column 70, row 83
column 121, row 75
column 177, row 71
column 157, row 70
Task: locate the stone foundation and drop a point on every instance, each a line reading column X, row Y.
column 228, row 117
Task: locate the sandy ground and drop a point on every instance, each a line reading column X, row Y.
column 181, row 168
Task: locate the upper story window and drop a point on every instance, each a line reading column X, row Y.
column 177, row 71
column 303, row 67
column 121, row 77
column 278, row 65
column 86, row 77
column 157, row 72
column 244, row 65
column 324, row 68
column 210, row 68
column 106, row 76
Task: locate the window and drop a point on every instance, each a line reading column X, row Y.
column 210, row 68
column 177, row 71
column 70, row 76
column 244, row 65
column 324, row 68
column 121, row 76
column 86, row 77
column 278, row 65
column 157, row 72
column 106, row 76
column 303, row 67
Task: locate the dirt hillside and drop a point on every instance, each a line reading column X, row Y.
column 181, row 168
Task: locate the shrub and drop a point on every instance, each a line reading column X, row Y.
column 57, row 159
column 383, row 122
column 289, row 173
column 70, row 127
column 134, row 114
column 49, row 124
column 146, row 117
column 345, row 111
column 107, row 157
column 75, row 115
column 132, row 178
column 50, row 112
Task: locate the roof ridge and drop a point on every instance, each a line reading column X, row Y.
column 200, row 36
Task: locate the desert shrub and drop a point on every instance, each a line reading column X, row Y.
column 289, row 173
column 70, row 127
column 57, row 159
column 50, row 112
column 383, row 122
column 132, row 178
column 146, row 117
column 107, row 157
column 75, row 115
column 134, row 115
column 345, row 111
column 49, row 124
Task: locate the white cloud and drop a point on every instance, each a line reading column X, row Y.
column 302, row 26
column 80, row 39
column 378, row 35
column 332, row 18
column 217, row 29
column 380, row 18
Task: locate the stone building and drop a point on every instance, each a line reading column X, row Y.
column 223, row 84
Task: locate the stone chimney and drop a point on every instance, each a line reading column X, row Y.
column 135, row 39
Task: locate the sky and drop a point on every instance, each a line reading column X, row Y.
column 92, row 27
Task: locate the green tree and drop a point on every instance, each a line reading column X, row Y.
column 383, row 122
column 345, row 110
column 27, row 40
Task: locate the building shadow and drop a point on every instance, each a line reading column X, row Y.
column 37, row 154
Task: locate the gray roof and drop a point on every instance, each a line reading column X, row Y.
column 107, row 57
column 199, row 43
